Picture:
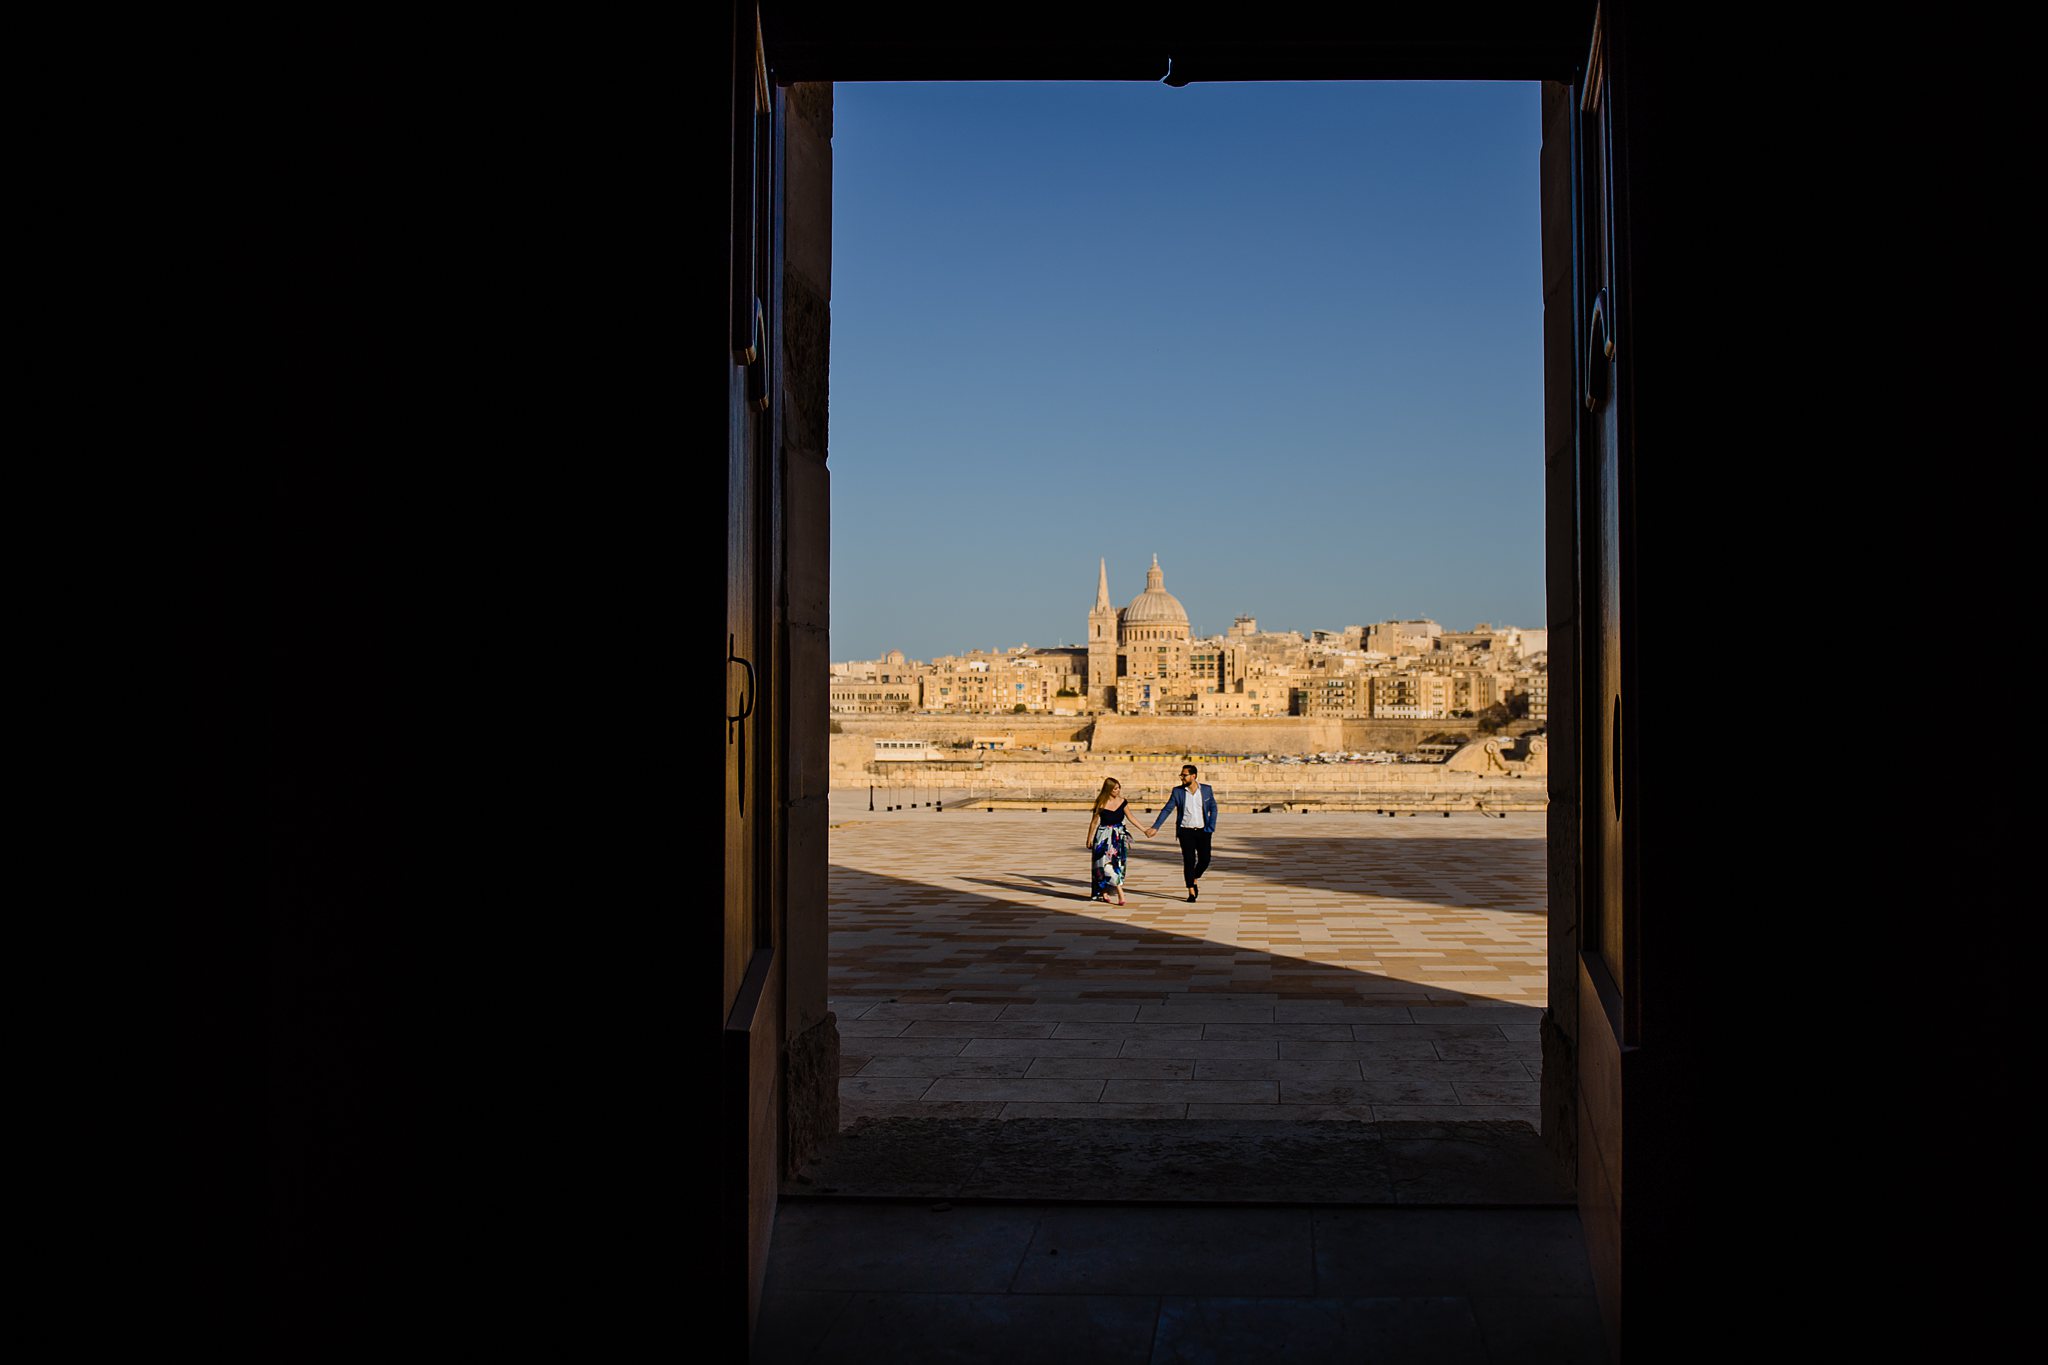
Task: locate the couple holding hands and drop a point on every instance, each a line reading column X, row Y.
column 1192, row 808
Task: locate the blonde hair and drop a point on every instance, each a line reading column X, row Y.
column 1103, row 795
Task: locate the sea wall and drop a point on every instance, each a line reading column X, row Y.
column 1270, row 735
column 1177, row 736
column 1027, row 729
column 1061, row 779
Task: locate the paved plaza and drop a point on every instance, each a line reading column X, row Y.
column 1338, row 966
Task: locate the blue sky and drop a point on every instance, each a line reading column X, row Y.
column 1285, row 336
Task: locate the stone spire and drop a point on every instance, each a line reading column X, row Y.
column 1103, row 639
column 1154, row 579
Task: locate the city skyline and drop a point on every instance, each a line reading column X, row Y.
column 1074, row 638
column 1285, row 337
column 1145, row 658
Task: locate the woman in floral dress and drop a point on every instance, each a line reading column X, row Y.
column 1109, row 840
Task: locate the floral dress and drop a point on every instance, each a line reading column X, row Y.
column 1112, row 846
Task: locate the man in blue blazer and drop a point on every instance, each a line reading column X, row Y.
column 1192, row 808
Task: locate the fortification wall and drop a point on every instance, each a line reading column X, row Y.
column 1179, row 735
column 1216, row 735
column 1270, row 735
column 1027, row 729
column 1238, row 784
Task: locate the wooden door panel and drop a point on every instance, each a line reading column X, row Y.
column 1606, row 985
column 740, row 805
column 746, row 483
column 752, row 1097
column 1599, row 1172
column 750, row 1093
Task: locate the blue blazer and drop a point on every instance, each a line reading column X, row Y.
column 1176, row 802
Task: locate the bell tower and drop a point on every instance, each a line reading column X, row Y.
column 1102, row 643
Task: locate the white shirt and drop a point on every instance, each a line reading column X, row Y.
column 1191, row 816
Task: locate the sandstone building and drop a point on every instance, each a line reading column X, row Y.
column 1145, row 659
column 1140, row 657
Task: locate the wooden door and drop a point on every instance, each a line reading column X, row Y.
column 751, row 1020
column 1608, row 995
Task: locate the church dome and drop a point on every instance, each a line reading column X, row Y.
column 1155, row 606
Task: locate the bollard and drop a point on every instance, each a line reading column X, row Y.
column 871, row 796
column 1447, row 815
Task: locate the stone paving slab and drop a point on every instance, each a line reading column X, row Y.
column 1081, row 1028
column 1280, row 1032
column 1381, row 1090
column 1227, row 1091
column 1030, row 1109
column 1144, row 1146
column 947, row 1066
column 986, row 1028
column 1436, row 1330
column 1043, row 1047
column 1120, row 1068
column 1203, row 1049
column 1454, row 1113
column 909, row 1047
column 1116, row 1251
column 1123, row 1285
column 1379, row 1050
column 966, row 954
column 1067, row 1090
column 873, row 1028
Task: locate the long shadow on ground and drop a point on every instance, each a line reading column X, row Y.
column 904, row 939
column 936, row 970
column 1464, row 873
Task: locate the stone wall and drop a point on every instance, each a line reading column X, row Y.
column 1275, row 735
column 1027, row 729
column 1180, row 735
column 1049, row 777
column 810, row 1093
column 1217, row 735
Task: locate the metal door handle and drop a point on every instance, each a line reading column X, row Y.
column 1614, row 753
column 756, row 358
column 747, row 706
column 1599, row 350
column 735, row 725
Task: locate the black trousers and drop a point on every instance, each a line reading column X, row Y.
column 1194, row 852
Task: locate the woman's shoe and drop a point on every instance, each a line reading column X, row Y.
column 1191, row 894
column 1194, row 893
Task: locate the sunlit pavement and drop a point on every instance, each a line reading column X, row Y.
column 1337, row 966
